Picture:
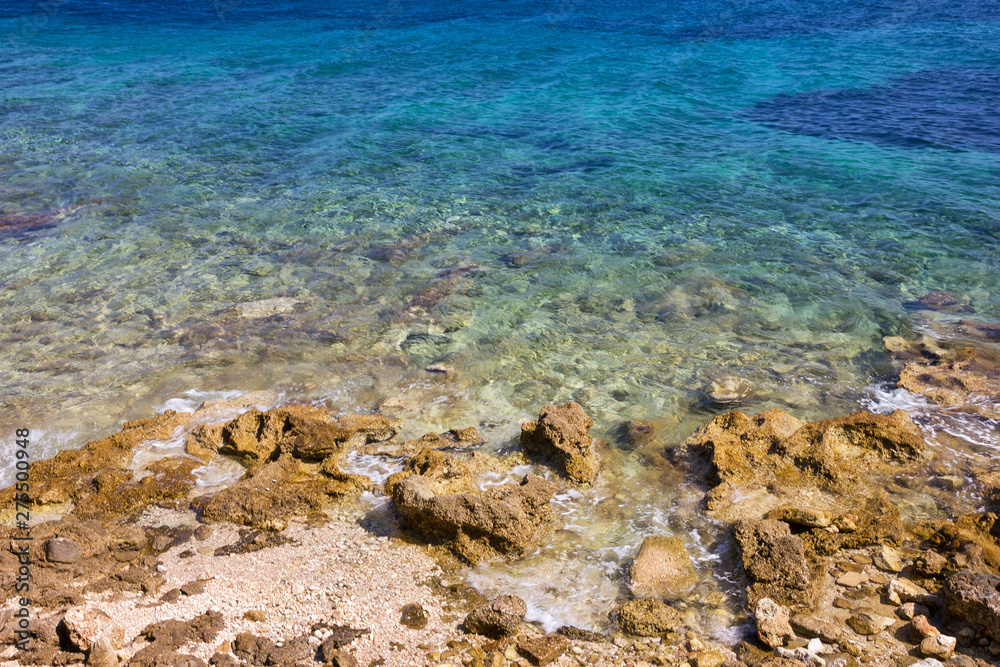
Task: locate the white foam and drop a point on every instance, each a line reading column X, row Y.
column 192, row 398
column 375, row 468
column 42, row 444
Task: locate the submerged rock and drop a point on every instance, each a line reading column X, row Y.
column 561, row 434
column 503, row 522
column 662, row 569
column 729, row 390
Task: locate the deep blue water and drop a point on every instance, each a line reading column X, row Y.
column 612, row 202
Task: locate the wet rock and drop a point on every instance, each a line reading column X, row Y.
column 729, row 390
column 414, row 617
column 773, row 560
column 84, row 626
column 811, row 626
column 268, row 495
column 940, row 647
column 662, row 569
column 497, row 618
column 950, row 377
column 61, row 550
column 974, row 598
column 807, row 517
column 887, row 559
column 635, row 433
column 561, row 435
column 543, row 650
column 867, row 622
column 504, row 521
column 648, row 618
column 772, row 623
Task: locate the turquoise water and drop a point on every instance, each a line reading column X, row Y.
column 565, row 200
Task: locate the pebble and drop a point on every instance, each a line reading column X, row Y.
column 852, row 579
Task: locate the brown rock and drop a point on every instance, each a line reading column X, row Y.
column 773, row 560
column 561, row 435
column 414, row 617
column 945, row 302
column 504, row 521
column 636, row 433
column 61, row 550
column 648, row 618
column 811, row 626
column 921, row 628
column 973, row 598
column 543, row 650
column 497, row 618
column 662, row 569
column 84, row 626
column 806, row 517
column 867, row 622
column 772, row 623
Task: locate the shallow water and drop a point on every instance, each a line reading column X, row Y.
column 560, row 200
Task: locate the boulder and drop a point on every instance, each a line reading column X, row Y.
column 84, row 626
column 61, row 550
column 772, row 623
column 974, row 598
column 811, row 626
column 497, row 618
column 662, row 569
column 939, row 647
column 561, row 435
column 773, row 560
column 648, row 618
column 505, row 521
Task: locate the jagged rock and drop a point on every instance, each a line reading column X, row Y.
column 974, row 598
column 929, row 564
column 543, row 650
column 61, row 550
column 772, row 623
column 269, row 494
column 662, row 569
column 497, row 618
column 504, row 521
column 340, row 636
column 773, row 560
column 973, row 542
column 167, row 636
column 878, row 521
column 887, row 559
column 648, row 618
column 899, row 591
column 83, row 626
column 343, row 659
column 561, row 434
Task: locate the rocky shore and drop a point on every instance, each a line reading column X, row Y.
column 138, row 560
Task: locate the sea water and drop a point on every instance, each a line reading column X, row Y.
column 613, row 203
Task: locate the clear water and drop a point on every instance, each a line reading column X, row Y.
column 560, row 200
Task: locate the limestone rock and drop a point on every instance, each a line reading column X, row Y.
column 662, row 569
column 811, row 626
column 809, row 654
column 903, row 590
column 940, row 647
column 772, row 623
column 868, row 622
column 806, row 517
column 497, row 618
column 85, row 625
column 504, row 521
column 930, row 564
column 974, row 598
column 543, row 650
column 773, row 560
column 648, row 618
column 561, row 434
column 887, row 559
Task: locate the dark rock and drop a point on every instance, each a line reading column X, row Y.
column 636, row 433
column 543, row 650
column 341, row 636
column 61, row 550
column 974, row 598
column 773, row 560
column 648, row 618
column 561, row 434
column 945, row 302
column 343, row 659
column 194, row 587
column 173, row 595
column 414, row 617
column 202, row 532
column 504, row 521
column 930, row 564
column 223, row 660
column 497, row 618
column 168, row 636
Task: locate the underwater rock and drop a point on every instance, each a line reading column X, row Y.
column 945, row 302
column 729, row 390
column 774, row 562
column 648, row 618
column 974, row 598
column 497, row 618
column 561, row 434
column 503, row 522
column 662, row 569
column 636, row 433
